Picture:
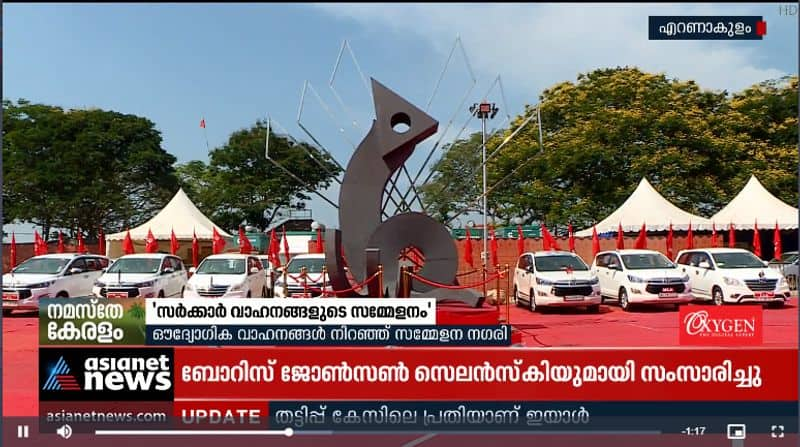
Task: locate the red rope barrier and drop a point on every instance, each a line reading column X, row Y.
column 452, row 287
column 467, row 273
column 354, row 288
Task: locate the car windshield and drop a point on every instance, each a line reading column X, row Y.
column 221, row 267
column 557, row 263
column 738, row 260
column 136, row 265
column 49, row 266
column 645, row 261
column 789, row 258
column 312, row 265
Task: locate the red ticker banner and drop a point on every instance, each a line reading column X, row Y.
column 464, row 374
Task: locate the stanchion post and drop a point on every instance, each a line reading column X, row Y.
column 497, row 287
column 324, row 281
column 405, row 282
column 380, row 280
column 305, row 281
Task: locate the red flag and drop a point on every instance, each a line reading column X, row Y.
column 468, row 250
column 41, row 245
column 195, row 249
column 60, row 248
column 595, row 242
column 286, row 245
column 776, row 242
column 620, row 237
column 274, row 250
column 714, row 241
column 690, row 238
column 670, row 254
column 571, row 238
column 151, row 244
column 320, row 245
column 81, row 244
column 731, row 236
column 173, row 243
column 127, row 244
column 546, row 238
column 203, row 123
column 493, row 246
column 641, row 240
column 101, row 242
column 217, row 242
column 12, row 259
column 520, row 240
column 756, row 241
column 245, row 246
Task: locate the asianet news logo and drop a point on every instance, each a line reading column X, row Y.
column 721, row 326
column 127, row 373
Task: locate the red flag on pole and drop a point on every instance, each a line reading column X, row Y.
column 37, row 243
column 217, row 242
column 245, row 246
column 320, row 242
column 173, row 242
column 776, row 242
column 595, row 242
column 520, row 241
column 274, row 250
column 546, row 238
column 571, row 238
column 127, row 244
column 60, row 248
column 641, row 240
column 493, row 246
column 42, row 250
column 151, row 244
column 12, row 258
column 468, row 250
column 620, row 237
column 670, row 253
column 195, row 249
column 101, row 242
column 690, row 238
column 203, row 123
column 714, row 240
column 286, row 245
column 756, row 241
column 731, row 236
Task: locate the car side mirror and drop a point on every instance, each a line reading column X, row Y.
column 75, row 271
column 766, row 264
column 167, row 271
column 529, row 269
column 192, row 269
column 253, row 270
column 704, row 265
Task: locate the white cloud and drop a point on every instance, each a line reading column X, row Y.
column 535, row 46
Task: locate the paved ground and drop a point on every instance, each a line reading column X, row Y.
column 612, row 327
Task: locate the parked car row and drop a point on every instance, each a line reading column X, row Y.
column 632, row 277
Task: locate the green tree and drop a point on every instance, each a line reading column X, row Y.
column 456, row 181
column 240, row 184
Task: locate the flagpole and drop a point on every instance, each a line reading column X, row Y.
column 205, row 133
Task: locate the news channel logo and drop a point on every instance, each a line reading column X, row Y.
column 78, row 374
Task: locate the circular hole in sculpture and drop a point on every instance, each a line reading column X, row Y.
column 401, row 123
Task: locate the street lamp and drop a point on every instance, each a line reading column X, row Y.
column 484, row 111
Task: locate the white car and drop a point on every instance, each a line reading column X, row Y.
column 291, row 284
column 146, row 275
column 789, row 266
column 227, row 275
column 733, row 275
column 60, row 275
column 641, row 277
column 555, row 278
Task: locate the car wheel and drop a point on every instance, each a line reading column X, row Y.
column 716, row 296
column 532, row 302
column 624, row 302
column 516, row 297
column 62, row 295
column 775, row 305
column 161, row 294
column 264, row 292
column 249, row 295
column 7, row 312
column 602, row 299
column 182, row 289
column 593, row 309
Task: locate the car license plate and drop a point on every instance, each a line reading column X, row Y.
column 573, row 298
column 10, row 296
column 117, row 294
column 667, row 295
column 301, row 295
column 764, row 295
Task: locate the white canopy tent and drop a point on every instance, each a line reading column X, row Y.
column 646, row 206
column 755, row 204
column 179, row 215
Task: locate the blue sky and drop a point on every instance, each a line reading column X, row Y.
column 235, row 63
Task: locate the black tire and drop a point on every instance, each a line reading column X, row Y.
column 775, row 304
column 716, row 296
column 62, row 294
column 593, row 309
column 532, row 301
column 516, row 297
column 602, row 299
column 249, row 295
column 7, row 312
column 161, row 294
column 182, row 290
column 264, row 292
column 624, row 301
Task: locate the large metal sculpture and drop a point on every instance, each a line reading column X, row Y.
column 367, row 240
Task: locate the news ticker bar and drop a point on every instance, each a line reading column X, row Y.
column 706, row 28
column 417, row 416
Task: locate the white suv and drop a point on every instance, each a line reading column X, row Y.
column 227, row 275
column 293, row 285
column 146, row 275
column 555, row 278
column 733, row 275
column 50, row 276
column 641, row 277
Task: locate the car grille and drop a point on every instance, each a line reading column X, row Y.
column 758, row 285
column 132, row 292
column 213, row 291
column 659, row 288
column 23, row 293
column 561, row 290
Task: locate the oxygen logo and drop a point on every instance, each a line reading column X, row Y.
column 721, row 326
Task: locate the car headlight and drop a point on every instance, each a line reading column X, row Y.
column 632, row 278
column 236, row 287
column 99, row 284
column 41, row 285
column 594, row 280
column 685, row 278
column 731, row 281
column 145, row 284
column 544, row 282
